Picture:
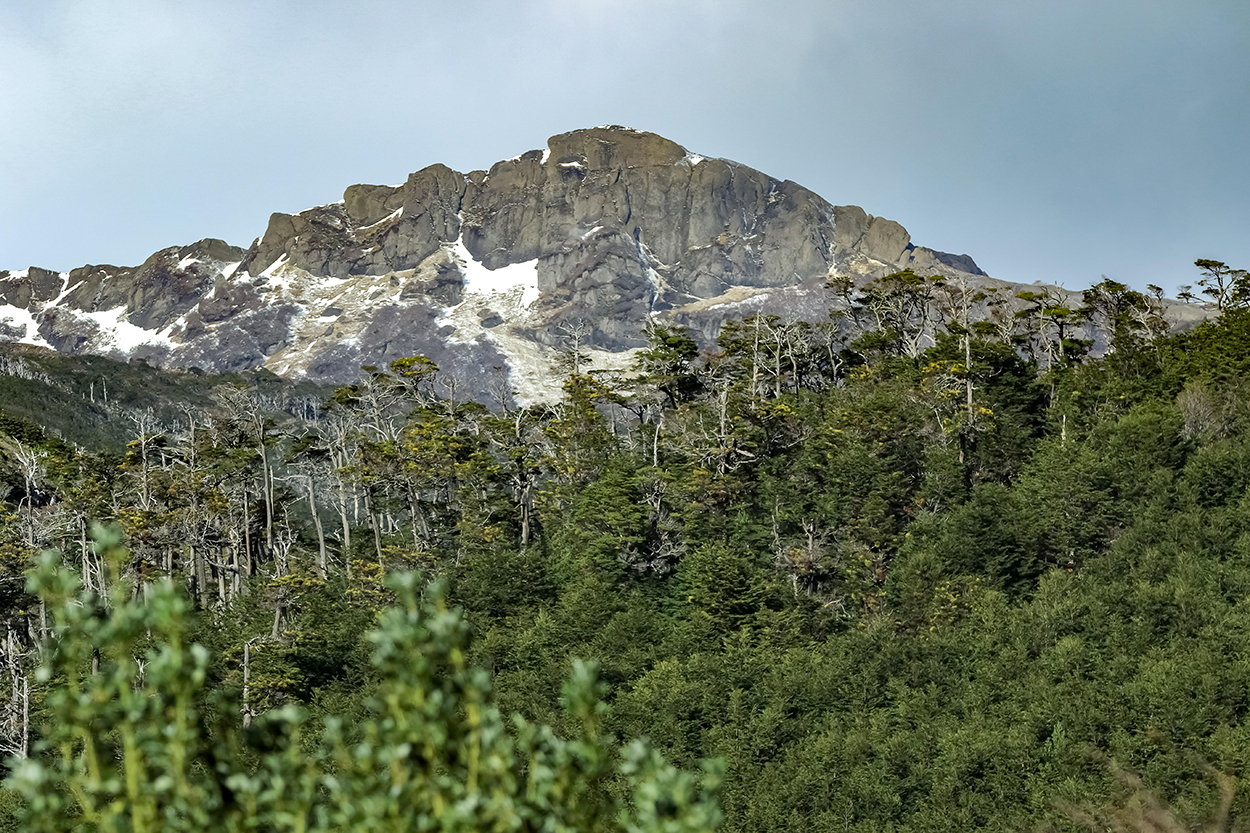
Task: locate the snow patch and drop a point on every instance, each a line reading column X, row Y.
column 275, row 267
column 120, row 333
column 357, row 296
column 187, row 261
column 546, row 156
column 389, row 218
column 18, row 274
column 693, row 159
column 652, row 259
column 296, row 284
column 508, row 292
column 517, row 158
column 66, row 289
column 230, row 268
column 479, row 280
column 17, row 317
column 319, row 207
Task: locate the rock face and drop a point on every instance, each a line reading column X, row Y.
column 604, row 229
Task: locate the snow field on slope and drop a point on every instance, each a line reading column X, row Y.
column 313, row 294
column 478, row 280
column 120, row 333
column 18, row 316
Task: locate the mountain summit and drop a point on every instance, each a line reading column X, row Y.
column 605, row 229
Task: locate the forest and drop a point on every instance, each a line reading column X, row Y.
column 952, row 558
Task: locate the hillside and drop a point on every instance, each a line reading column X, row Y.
column 890, row 575
column 91, row 401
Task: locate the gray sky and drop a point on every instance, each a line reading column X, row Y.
column 1054, row 141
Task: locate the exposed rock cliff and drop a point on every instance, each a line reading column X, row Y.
column 602, row 230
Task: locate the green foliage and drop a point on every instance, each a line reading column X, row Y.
column 137, row 741
column 721, row 585
column 85, row 399
column 668, row 363
column 925, row 565
column 128, row 750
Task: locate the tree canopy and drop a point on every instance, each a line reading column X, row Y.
column 948, row 557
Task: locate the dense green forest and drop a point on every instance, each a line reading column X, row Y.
column 932, row 563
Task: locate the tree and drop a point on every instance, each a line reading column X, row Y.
column 244, row 410
column 572, row 358
column 669, row 361
column 139, row 747
column 1124, row 314
column 721, row 586
column 1050, row 323
column 957, row 299
column 517, row 437
column 310, row 466
column 1228, row 287
column 31, row 461
column 900, row 305
column 749, row 343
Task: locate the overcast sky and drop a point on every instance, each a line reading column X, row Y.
column 1056, row 141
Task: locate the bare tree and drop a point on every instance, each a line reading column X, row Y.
column 573, row 356
column 15, row 714
column 31, row 462
column 245, row 409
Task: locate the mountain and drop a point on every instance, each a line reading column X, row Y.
column 488, row 273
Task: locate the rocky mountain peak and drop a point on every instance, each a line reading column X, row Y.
column 603, row 230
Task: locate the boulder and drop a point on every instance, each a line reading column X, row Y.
column 885, row 240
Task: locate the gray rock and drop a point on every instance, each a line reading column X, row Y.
column 67, row 332
column 163, row 288
column 38, row 285
column 622, row 225
column 9, row 332
column 368, row 204
column 885, row 240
